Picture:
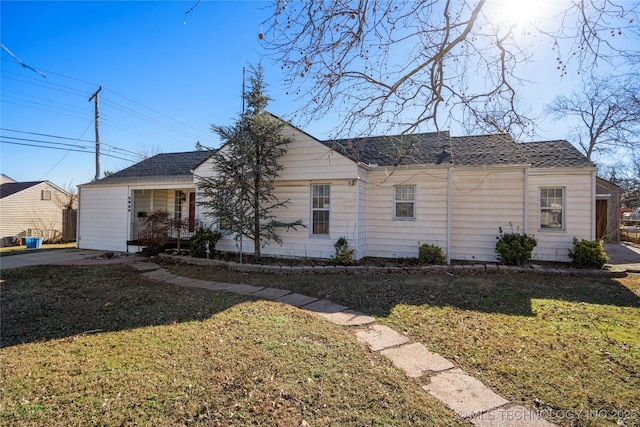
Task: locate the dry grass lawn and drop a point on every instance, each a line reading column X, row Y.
column 103, row 345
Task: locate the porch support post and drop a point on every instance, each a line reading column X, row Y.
column 129, row 216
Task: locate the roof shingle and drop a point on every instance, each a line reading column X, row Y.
column 161, row 167
column 443, row 149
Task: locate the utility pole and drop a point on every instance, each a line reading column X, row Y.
column 96, row 97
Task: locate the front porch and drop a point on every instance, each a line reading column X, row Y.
column 178, row 203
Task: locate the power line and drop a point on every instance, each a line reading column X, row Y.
column 67, row 153
column 62, row 149
column 66, row 138
column 40, row 99
column 151, row 109
column 183, row 129
column 48, row 85
column 140, row 115
column 149, row 119
column 44, row 109
column 41, row 141
column 45, row 134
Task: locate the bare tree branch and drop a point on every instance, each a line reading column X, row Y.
column 403, row 65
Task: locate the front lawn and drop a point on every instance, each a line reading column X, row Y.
column 103, row 345
column 568, row 346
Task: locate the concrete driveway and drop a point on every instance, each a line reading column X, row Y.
column 59, row 256
column 623, row 255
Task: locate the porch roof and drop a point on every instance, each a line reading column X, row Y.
column 166, row 167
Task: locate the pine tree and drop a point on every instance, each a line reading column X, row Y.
column 240, row 193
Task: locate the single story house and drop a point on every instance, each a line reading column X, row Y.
column 386, row 195
column 35, row 209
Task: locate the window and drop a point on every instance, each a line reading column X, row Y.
column 177, row 208
column 320, row 202
column 552, row 208
column 404, row 202
column 45, row 195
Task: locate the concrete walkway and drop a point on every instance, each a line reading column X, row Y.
column 464, row 394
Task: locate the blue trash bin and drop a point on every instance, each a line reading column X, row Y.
column 33, row 242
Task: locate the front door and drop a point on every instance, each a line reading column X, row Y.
column 192, row 212
column 601, row 219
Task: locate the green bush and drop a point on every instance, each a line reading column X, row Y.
column 431, row 254
column 344, row 255
column 197, row 246
column 515, row 248
column 588, row 253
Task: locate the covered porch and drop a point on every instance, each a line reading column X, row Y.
column 180, row 203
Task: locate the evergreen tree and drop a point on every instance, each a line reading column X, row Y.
column 240, row 193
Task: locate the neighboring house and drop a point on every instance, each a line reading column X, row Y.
column 386, row 195
column 35, row 209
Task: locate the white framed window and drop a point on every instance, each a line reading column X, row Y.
column 320, row 209
column 404, row 202
column 45, row 195
column 552, row 208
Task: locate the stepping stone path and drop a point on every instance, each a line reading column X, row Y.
column 464, row 394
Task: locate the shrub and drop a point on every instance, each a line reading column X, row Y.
column 431, row 254
column 515, row 248
column 197, row 245
column 155, row 231
column 588, row 253
column 344, row 255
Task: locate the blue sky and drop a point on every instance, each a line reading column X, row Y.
column 164, row 82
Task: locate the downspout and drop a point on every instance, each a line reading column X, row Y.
column 357, row 223
column 593, row 206
column 449, row 216
column 525, row 216
column 78, row 218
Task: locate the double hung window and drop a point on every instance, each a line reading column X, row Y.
column 320, row 209
column 552, row 208
column 404, row 202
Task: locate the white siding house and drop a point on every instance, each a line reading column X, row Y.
column 386, row 195
column 32, row 209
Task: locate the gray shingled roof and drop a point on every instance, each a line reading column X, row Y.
column 442, row 149
column 161, row 167
column 548, row 154
column 418, row 149
column 423, row 148
column 10, row 188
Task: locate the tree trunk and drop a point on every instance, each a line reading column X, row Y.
column 256, row 218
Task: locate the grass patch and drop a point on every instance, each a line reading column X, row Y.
column 567, row 345
column 103, row 345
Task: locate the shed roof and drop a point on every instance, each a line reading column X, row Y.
column 161, row 167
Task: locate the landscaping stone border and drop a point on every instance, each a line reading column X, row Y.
column 452, row 269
